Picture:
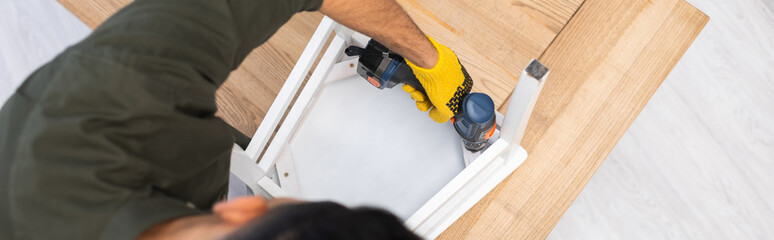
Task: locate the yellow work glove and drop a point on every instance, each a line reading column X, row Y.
column 446, row 84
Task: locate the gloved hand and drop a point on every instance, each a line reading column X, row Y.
column 446, row 84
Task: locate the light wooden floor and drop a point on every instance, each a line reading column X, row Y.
column 698, row 163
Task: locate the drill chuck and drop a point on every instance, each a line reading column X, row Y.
column 475, row 122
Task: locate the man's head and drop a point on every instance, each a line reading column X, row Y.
column 324, row 220
column 255, row 218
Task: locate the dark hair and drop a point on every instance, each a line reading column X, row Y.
column 324, row 220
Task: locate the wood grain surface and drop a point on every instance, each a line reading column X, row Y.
column 495, row 40
column 605, row 65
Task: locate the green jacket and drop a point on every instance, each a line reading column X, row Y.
column 118, row 132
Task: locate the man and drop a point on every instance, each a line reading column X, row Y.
column 116, row 137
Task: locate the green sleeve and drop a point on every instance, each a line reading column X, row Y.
column 119, row 132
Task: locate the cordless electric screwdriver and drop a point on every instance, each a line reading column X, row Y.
column 475, row 122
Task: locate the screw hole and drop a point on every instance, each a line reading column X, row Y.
column 286, row 174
